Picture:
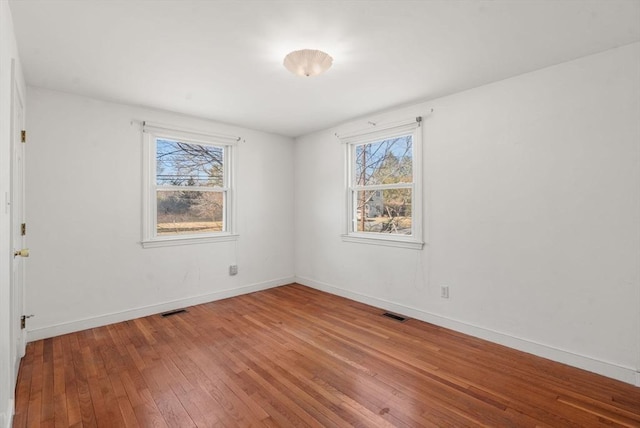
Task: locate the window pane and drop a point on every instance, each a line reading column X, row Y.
column 188, row 212
column 384, row 162
column 186, row 164
column 384, row 211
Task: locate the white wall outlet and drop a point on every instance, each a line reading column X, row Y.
column 444, row 291
column 233, row 270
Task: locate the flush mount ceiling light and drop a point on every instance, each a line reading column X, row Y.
column 308, row 62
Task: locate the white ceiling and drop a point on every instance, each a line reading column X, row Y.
column 223, row 59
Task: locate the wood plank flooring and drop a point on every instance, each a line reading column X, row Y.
column 294, row 356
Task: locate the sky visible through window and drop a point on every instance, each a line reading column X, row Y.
column 188, row 164
column 384, row 162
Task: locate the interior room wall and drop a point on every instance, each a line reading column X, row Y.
column 84, row 211
column 532, row 215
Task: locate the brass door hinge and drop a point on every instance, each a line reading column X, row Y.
column 23, row 136
column 23, row 229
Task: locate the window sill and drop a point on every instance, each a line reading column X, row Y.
column 386, row 241
column 183, row 240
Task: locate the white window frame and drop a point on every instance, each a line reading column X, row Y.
column 375, row 134
column 151, row 133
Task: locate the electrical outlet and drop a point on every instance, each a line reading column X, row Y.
column 233, row 270
column 444, row 291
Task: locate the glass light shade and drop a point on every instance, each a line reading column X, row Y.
column 307, row 62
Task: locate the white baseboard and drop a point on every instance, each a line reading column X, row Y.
column 102, row 320
column 624, row 374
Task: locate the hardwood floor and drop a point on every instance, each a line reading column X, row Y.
column 294, row 356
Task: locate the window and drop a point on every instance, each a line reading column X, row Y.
column 384, row 203
column 188, row 187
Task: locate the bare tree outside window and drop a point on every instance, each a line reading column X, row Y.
column 190, row 187
column 386, row 167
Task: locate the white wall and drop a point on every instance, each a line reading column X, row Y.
column 84, row 189
column 532, row 194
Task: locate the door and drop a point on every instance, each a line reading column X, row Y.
column 18, row 231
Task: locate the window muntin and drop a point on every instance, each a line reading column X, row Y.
column 188, row 183
column 384, row 185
